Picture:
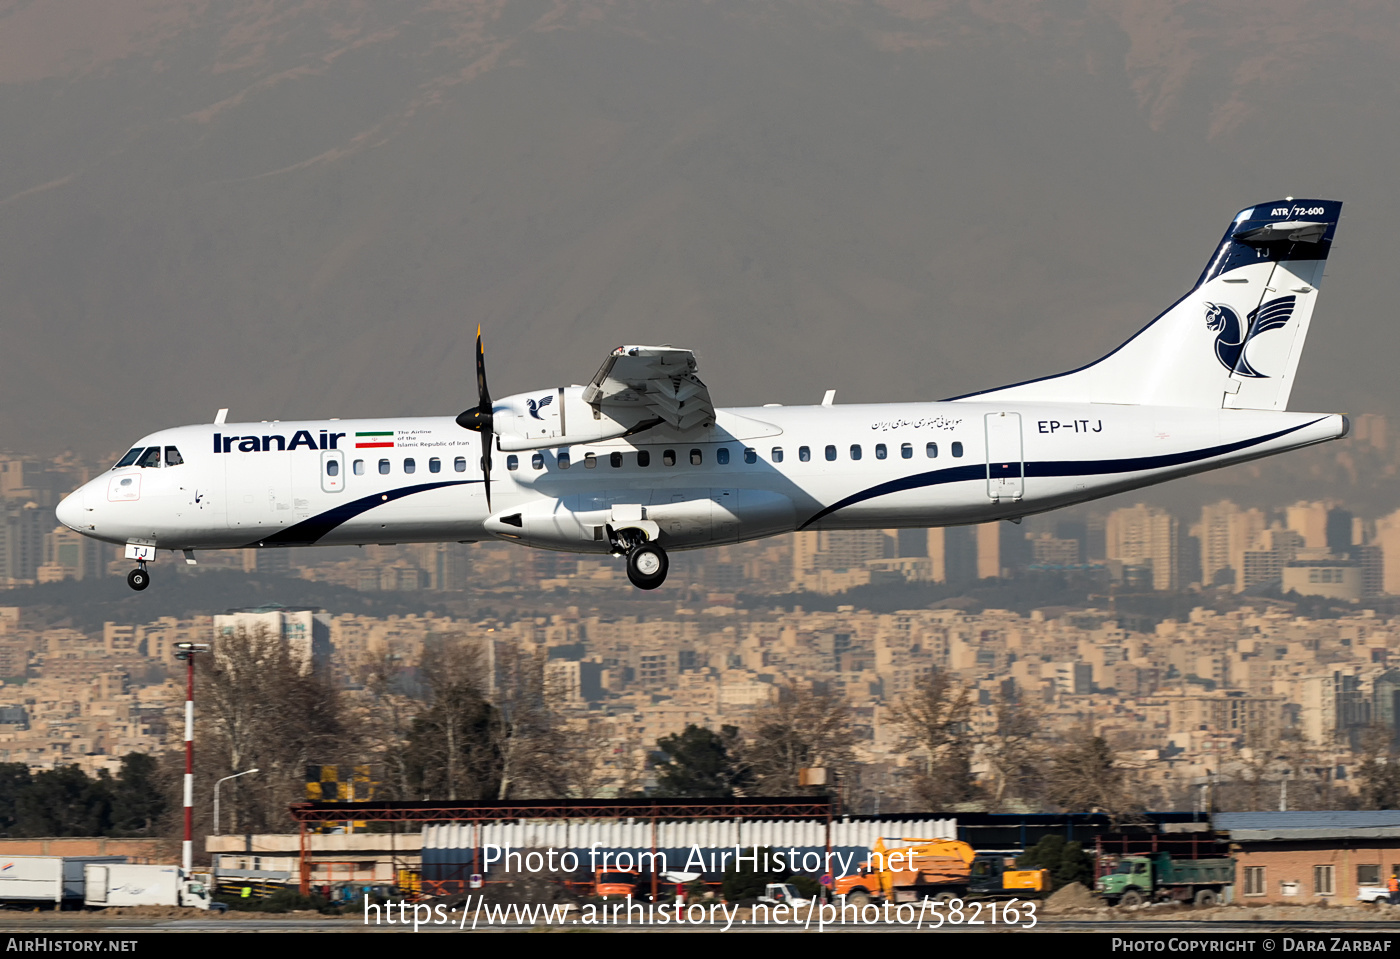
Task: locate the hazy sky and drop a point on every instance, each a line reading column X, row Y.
column 303, row 209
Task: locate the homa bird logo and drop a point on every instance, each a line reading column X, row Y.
column 535, row 407
column 1232, row 336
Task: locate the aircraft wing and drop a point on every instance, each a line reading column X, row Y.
column 659, row 380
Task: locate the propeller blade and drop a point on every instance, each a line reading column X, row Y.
column 480, row 420
column 483, row 394
column 486, row 465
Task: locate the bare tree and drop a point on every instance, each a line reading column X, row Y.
column 527, row 729
column 261, row 706
column 450, row 751
column 1015, row 752
column 1086, row 776
column 1378, row 771
column 935, row 719
column 806, row 727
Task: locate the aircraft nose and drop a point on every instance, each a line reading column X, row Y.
column 71, row 510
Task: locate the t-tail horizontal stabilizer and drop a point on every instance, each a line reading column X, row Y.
column 1234, row 341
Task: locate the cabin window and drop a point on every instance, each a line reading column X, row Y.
column 880, row 451
column 537, row 461
column 332, row 467
column 668, row 458
column 384, row 467
column 359, row 467
column 128, row 459
column 750, row 455
column 957, row 449
column 564, row 460
column 931, row 450
column 512, row 462
column 830, row 454
column 855, row 451
column 459, row 465
column 906, row 450
column 696, row 458
column 434, row 465
column 777, row 454
column 615, row 460
column 150, row 458
column 409, row 464
column 643, row 458
column 804, row 453
column 590, row 461
column 173, row 457
column 722, row 456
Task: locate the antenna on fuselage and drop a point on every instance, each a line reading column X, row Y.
column 220, row 416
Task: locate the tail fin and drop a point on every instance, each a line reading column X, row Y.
column 1234, row 340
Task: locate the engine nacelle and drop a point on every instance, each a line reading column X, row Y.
column 558, row 417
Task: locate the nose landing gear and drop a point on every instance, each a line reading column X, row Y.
column 647, row 562
column 138, row 579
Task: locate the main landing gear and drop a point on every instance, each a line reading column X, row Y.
column 138, row 579
column 646, row 561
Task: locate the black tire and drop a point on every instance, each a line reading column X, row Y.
column 647, row 566
column 1133, row 897
column 138, row 579
column 1205, row 898
column 858, row 897
column 944, row 897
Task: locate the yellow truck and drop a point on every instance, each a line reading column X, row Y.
column 938, row 869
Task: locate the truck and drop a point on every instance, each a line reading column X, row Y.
column 46, row 880
column 939, row 869
column 1161, row 877
column 131, row 884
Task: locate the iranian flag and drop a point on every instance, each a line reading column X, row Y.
column 373, row 441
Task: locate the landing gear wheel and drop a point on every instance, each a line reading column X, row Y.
column 138, row 579
column 647, row 566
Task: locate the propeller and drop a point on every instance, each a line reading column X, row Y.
column 479, row 418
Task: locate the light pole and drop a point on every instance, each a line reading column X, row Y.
column 187, row 652
column 217, row 830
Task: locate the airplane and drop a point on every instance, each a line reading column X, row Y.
column 639, row 461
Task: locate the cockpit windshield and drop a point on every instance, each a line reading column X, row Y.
column 148, row 457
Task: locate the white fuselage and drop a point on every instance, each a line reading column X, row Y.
column 758, row 472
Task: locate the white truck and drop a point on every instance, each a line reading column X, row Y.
column 55, row 880
column 130, row 884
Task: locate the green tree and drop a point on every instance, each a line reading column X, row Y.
column 14, row 783
column 1066, row 861
column 140, row 796
column 699, row 763
column 65, row 802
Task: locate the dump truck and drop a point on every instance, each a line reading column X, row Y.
column 1159, row 877
column 130, row 884
column 940, row 869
